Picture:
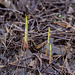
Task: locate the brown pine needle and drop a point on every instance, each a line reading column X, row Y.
column 7, row 29
column 41, row 45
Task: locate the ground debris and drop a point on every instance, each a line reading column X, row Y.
column 56, row 14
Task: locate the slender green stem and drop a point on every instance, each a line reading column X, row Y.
column 40, row 73
column 48, row 41
column 26, row 30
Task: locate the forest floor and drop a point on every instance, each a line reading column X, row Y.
column 59, row 15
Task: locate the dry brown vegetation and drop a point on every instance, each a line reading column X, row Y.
column 59, row 15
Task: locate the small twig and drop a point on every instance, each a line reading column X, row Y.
column 11, row 10
column 38, row 58
column 41, row 45
column 20, row 60
column 21, row 66
column 2, row 66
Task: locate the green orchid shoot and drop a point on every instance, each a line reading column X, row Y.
column 49, row 47
column 26, row 34
column 48, row 41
